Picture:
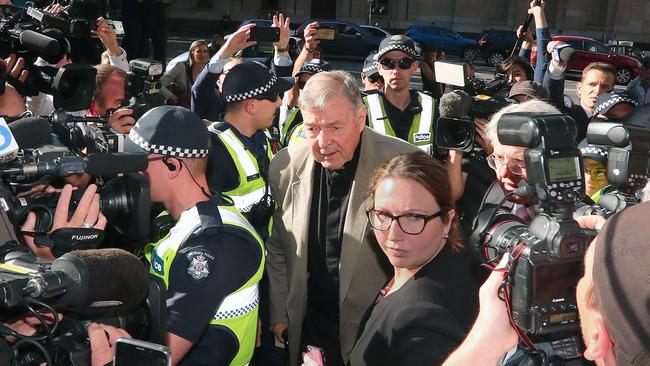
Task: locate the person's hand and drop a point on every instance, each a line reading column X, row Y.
column 291, row 96
column 102, row 342
column 15, row 67
column 536, row 9
column 493, row 320
column 121, row 120
column 55, row 8
column 280, row 22
column 236, row 42
column 107, row 35
column 277, row 329
column 307, row 360
column 480, row 126
column 87, row 214
column 526, row 36
column 311, row 37
column 591, row 222
column 28, row 325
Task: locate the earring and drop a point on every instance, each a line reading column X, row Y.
column 445, row 236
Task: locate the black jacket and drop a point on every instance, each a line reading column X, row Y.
column 423, row 321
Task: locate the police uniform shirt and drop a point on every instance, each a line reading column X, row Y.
column 221, row 172
column 401, row 121
column 207, row 268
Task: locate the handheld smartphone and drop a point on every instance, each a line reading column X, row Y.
column 117, row 26
column 325, row 33
column 317, row 354
column 265, row 34
column 134, row 352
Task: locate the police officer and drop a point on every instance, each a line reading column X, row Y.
column 398, row 110
column 212, row 259
column 241, row 151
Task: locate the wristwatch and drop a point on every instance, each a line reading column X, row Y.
column 284, row 49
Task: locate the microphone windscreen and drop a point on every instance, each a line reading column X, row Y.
column 455, row 104
column 31, row 132
column 114, row 277
column 111, row 164
column 40, row 43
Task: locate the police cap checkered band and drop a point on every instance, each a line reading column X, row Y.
column 169, row 130
column 313, row 68
column 250, row 79
column 606, row 101
column 399, row 43
column 369, row 64
column 594, row 150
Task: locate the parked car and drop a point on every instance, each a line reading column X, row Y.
column 628, row 51
column 445, row 39
column 496, row 45
column 379, row 32
column 350, row 40
column 589, row 50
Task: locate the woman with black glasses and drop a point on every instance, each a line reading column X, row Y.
column 424, row 312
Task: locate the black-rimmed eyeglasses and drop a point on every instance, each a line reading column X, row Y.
column 410, row 223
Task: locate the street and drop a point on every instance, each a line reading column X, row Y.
column 483, row 70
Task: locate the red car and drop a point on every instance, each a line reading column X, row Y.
column 589, row 50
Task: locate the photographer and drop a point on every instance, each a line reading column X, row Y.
column 612, row 299
column 212, row 259
column 109, row 95
column 206, row 99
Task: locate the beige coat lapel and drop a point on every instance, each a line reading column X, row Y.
column 356, row 223
column 301, row 191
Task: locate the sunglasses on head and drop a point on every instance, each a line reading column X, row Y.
column 375, row 78
column 272, row 97
column 390, row 63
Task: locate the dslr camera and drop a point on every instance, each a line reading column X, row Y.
column 547, row 252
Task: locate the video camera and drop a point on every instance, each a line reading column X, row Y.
column 627, row 165
column 455, row 128
column 84, row 285
column 29, row 32
column 548, row 252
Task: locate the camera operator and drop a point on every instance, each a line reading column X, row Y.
column 43, row 104
column 612, row 299
column 212, row 259
column 206, row 99
column 109, row 95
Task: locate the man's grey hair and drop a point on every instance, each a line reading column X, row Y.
column 533, row 105
column 324, row 86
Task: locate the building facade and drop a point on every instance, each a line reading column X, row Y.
column 624, row 19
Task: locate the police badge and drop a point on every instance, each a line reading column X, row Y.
column 198, row 268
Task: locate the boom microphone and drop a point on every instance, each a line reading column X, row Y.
column 93, row 278
column 455, row 104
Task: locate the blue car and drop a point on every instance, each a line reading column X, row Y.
column 445, row 39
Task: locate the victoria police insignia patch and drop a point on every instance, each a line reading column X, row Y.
column 198, row 267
